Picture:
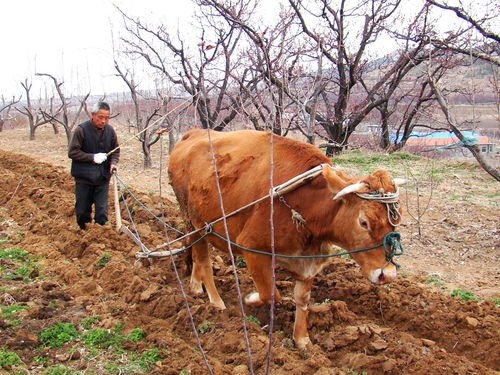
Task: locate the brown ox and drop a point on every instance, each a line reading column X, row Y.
column 243, row 167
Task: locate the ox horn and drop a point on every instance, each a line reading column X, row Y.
column 354, row 188
column 400, row 181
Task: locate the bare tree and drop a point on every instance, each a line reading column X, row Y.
column 144, row 116
column 5, row 108
column 347, row 93
column 62, row 114
column 34, row 115
column 204, row 74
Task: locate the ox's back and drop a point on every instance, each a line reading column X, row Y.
column 243, row 167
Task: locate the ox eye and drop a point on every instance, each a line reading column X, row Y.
column 364, row 224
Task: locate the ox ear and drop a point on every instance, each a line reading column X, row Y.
column 338, row 185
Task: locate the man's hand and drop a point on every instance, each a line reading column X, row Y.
column 112, row 168
column 100, row 157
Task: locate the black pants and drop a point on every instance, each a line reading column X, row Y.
column 88, row 195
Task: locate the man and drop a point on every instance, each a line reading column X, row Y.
column 91, row 165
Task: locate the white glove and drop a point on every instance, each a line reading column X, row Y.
column 100, row 157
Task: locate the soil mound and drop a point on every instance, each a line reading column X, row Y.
column 402, row 328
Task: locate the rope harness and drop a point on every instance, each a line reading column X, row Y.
column 391, row 201
column 391, row 242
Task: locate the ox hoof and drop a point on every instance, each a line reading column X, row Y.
column 218, row 304
column 303, row 342
column 196, row 287
column 253, row 299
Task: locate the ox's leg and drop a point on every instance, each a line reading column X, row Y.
column 302, row 295
column 260, row 267
column 202, row 273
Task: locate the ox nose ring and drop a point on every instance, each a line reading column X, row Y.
column 393, row 247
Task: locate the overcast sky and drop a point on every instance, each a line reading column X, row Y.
column 70, row 39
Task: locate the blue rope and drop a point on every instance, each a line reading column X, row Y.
column 391, row 243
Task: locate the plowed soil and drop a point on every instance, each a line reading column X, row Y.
column 407, row 327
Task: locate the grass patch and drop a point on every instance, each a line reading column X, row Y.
column 136, row 335
column 435, row 281
column 59, row 370
column 58, row 335
column 147, row 359
column 14, row 254
column 363, row 162
column 8, row 359
column 463, row 295
column 134, row 363
column 41, row 359
column 102, row 338
column 8, row 312
column 23, row 265
column 87, row 323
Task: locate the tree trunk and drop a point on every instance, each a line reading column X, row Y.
column 32, row 132
column 147, row 155
column 483, row 163
column 454, row 128
column 333, row 150
column 171, row 141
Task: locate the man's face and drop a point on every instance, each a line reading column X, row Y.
column 100, row 118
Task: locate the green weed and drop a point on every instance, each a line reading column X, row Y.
column 58, row 335
column 496, row 301
column 59, row 370
column 353, row 372
column 87, row 323
column 136, row 335
column 9, row 358
column 134, row 363
column 463, row 295
column 148, row 358
column 8, row 312
column 104, row 260
column 436, row 281
column 240, row 262
column 104, row 338
column 324, row 302
column 100, row 337
column 41, row 359
column 13, row 254
column 15, row 322
column 25, row 271
column 204, row 327
column 251, row 318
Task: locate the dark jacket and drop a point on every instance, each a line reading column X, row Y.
column 88, row 140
